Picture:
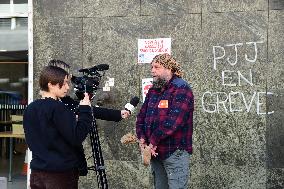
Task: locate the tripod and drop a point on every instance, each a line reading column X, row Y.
column 98, row 167
column 97, row 155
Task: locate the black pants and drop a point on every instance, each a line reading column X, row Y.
column 54, row 180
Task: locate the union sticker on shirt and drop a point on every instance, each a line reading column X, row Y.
column 163, row 104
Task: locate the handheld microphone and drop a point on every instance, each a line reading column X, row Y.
column 133, row 103
column 100, row 67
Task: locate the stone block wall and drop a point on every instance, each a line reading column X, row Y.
column 232, row 54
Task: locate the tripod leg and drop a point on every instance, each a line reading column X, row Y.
column 98, row 158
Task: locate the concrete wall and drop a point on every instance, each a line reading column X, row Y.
column 232, row 52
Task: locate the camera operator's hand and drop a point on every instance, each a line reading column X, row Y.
column 86, row 100
column 125, row 114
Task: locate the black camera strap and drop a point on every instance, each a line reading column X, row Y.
column 99, row 166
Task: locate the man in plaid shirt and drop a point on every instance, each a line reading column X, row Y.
column 165, row 124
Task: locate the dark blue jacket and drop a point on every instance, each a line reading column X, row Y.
column 53, row 134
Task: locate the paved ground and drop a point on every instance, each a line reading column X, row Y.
column 19, row 181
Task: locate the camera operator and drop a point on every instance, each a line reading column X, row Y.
column 53, row 134
column 99, row 112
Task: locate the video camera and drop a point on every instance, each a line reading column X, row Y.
column 90, row 80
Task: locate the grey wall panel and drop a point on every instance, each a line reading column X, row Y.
column 232, row 135
column 275, row 178
column 275, row 65
column 62, row 8
column 59, row 38
column 89, row 8
column 276, row 4
column 225, row 176
column 154, row 7
column 104, row 8
column 275, row 102
column 232, row 5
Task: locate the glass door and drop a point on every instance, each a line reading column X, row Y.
column 13, row 90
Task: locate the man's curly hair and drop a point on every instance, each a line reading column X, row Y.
column 168, row 62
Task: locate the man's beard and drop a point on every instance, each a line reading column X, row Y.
column 159, row 83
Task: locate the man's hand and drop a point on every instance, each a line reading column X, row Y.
column 125, row 114
column 142, row 144
column 153, row 150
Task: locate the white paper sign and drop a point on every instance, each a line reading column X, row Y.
column 106, row 88
column 149, row 48
column 147, row 83
column 111, row 82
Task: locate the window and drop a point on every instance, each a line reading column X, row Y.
column 20, row 1
column 13, row 7
column 5, row 23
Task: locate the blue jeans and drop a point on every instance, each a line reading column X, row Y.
column 173, row 172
